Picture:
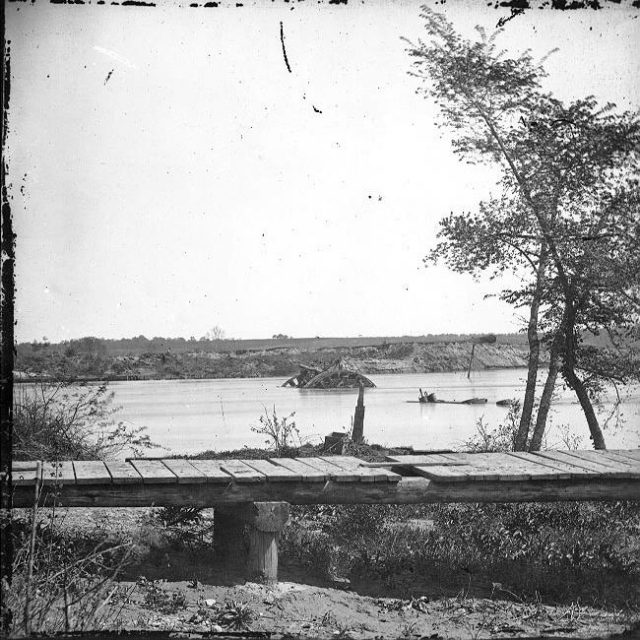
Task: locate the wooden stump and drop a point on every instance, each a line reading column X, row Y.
column 334, row 443
column 249, row 532
column 358, row 418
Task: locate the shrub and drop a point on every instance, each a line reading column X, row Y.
column 282, row 433
column 68, row 420
column 585, row 551
column 502, row 438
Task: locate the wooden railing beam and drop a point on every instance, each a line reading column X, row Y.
column 410, row 490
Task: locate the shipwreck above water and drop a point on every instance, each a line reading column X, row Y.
column 337, row 376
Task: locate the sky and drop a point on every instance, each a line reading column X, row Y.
column 168, row 174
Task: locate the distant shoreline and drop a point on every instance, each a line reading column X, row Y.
column 95, row 360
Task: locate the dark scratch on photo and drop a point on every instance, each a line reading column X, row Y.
column 284, row 50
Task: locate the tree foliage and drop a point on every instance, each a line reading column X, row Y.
column 566, row 219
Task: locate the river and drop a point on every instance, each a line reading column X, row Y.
column 189, row 416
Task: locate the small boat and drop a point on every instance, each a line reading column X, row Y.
column 430, row 398
column 504, row 403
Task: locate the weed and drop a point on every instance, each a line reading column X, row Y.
column 408, row 631
column 501, row 438
column 282, row 433
column 235, row 615
column 571, row 441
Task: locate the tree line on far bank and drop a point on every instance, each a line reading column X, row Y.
column 139, row 345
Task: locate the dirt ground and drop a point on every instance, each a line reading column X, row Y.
column 189, row 591
column 302, row 610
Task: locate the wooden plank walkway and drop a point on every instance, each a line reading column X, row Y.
column 519, row 467
column 470, row 477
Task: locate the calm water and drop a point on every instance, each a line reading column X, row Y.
column 189, row 416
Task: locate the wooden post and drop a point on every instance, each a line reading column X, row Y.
column 473, row 348
column 358, row 418
column 256, row 543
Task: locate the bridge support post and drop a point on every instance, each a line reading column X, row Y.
column 250, row 531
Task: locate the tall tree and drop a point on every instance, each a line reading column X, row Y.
column 568, row 204
column 497, row 240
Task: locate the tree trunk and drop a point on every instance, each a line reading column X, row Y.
column 583, row 397
column 547, row 395
column 534, row 357
column 569, row 373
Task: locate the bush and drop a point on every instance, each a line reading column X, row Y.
column 586, row 551
column 71, row 421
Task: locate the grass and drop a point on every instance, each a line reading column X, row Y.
column 559, row 553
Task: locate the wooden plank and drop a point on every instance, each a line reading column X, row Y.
column 56, row 473
column 600, row 458
column 184, row 470
column 272, row 471
column 564, row 457
column 519, row 462
column 91, row 472
column 335, row 473
column 491, row 466
column 458, row 473
column 212, row 471
column 505, row 466
column 558, row 470
column 123, row 472
column 241, row 472
column 634, row 454
column 438, row 459
column 612, row 455
column 367, row 474
column 154, row 472
column 297, row 465
column 576, row 470
column 535, row 469
column 363, row 474
column 25, row 473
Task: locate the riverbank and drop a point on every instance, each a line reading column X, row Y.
column 390, row 357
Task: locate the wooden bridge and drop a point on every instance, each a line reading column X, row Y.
column 258, row 492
